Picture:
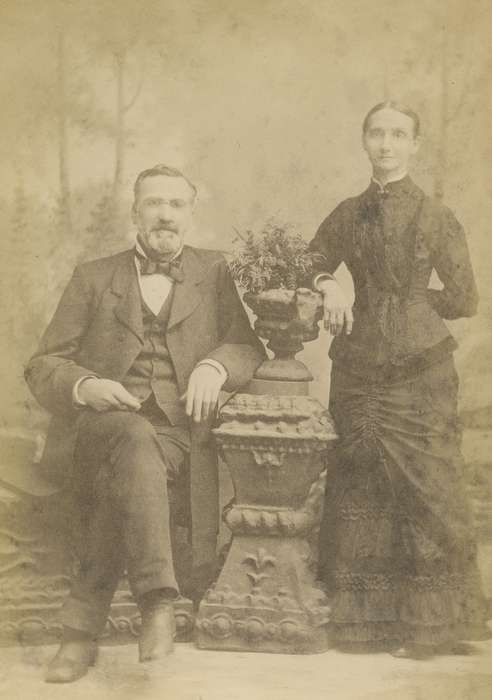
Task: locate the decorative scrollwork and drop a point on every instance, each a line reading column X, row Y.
column 122, row 624
column 131, row 624
column 18, row 590
column 28, row 625
column 185, row 621
column 275, row 423
column 254, row 520
column 253, row 628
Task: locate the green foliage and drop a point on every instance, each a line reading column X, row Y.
column 275, row 258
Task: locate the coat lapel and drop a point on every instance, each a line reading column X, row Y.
column 187, row 294
column 128, row 309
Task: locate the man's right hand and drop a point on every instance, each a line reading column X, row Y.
column 106, row 395
column 337, row 311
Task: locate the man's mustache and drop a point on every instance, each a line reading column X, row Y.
column 165, row 225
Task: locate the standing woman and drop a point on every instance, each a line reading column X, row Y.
column 397, row 549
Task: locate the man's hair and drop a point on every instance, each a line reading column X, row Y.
column 161, row 169
column 392, row 104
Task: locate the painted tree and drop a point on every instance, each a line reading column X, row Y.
column 455, row 55
column 125, row 42
column 65, row 201
column 438, row 51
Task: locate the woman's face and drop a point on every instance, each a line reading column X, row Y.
column 390, row 141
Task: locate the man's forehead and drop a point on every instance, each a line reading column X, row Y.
column 390, row 119
column 164, row 186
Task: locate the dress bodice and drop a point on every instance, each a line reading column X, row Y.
column 391, row 239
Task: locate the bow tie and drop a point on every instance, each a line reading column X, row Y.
column 171, row 269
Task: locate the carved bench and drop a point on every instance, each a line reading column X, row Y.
column 37, row 557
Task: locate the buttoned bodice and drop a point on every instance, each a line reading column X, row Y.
column 391, row 239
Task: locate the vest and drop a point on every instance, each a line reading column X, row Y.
column 153, row 371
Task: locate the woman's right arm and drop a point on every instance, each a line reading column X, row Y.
column 329, row 244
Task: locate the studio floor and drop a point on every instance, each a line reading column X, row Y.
column 193, row 674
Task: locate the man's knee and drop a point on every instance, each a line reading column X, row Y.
column 133, row 436
column 107, row 434
column 115, row 426
column 135, row 429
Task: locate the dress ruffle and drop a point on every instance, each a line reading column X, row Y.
column 397, row 548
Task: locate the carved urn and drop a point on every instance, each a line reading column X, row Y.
column 287, row 319
column 275, row 440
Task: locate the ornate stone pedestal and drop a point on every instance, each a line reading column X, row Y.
column 275, row 441
column 266, row 598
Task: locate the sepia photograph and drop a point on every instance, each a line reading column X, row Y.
column 246, row 359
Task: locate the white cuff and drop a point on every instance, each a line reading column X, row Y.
column 75, row 391
column 216, row 365
column 321, row 278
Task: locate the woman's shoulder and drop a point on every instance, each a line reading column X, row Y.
column 344, row 212
column 352, row 203
column 436, row 214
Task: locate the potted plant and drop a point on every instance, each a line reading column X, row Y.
column 275, row 268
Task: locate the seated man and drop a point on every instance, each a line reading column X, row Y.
column 131, row 367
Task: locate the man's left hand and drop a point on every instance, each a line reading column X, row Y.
column 203, row 390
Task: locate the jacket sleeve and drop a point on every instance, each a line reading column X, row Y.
column 328, row 242
column 240, row 350
column 53, row 370
column 451, row 260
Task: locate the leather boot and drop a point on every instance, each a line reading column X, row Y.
column 78, row 651
column 156, row 640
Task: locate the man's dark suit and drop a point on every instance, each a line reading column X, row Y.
column 97, row 329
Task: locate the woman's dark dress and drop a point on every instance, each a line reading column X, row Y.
column 397, row 546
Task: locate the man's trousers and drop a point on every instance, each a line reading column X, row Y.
column 123, row 462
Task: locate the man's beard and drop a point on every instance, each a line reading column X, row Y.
column 161, row 242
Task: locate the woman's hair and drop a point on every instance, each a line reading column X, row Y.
column 391, row 104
